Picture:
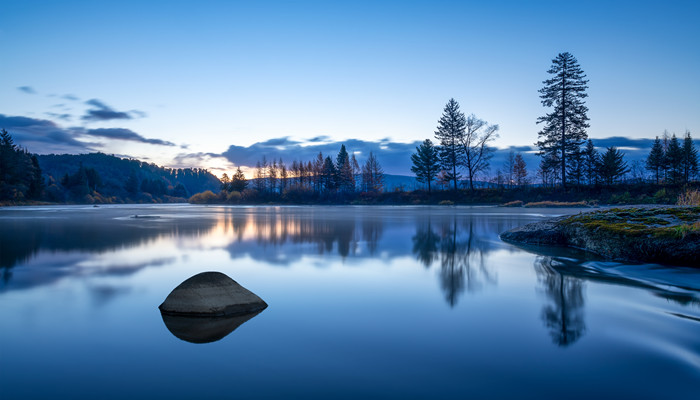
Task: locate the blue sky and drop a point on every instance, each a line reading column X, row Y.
column 178, row 82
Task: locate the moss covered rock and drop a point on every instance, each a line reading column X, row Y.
column 668, row 235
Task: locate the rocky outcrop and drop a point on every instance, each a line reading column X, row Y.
column 211, row 294
column 667, row 235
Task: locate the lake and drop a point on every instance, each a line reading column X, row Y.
column 364, row 302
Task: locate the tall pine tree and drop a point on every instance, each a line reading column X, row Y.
column 674, row 160
column 656, row 159
column 565, row 126
column 690, row 158
column 426, row 162
column 450, row 132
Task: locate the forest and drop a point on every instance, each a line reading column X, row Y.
column 98, row 178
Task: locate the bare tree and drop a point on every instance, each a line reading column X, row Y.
column 478, row 134
column 372, row 175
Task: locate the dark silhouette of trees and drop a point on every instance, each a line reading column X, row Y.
column 132, row 183
column 450, row 133
column 656, row 160
column 474, row 142
column 590, row 163
column 238, row 181
column 565, row 126
column 674, row 161
column 345, row 177
column 372, row 175
column 426, row 162
column 519, row 170
column 690, row 158
column 328, row 175
column 612, row 165
column 20, row 174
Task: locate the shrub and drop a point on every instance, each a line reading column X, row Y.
column 516, row 203
column 447, row 203
column 689, row 198
column 206, row 197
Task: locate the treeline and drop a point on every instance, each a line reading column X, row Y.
column 323, row 179
column 93, row 178
column 568, row 157
column 20, row 174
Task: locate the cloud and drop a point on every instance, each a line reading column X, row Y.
column 394, row 157
column 44, row 136
column 103, row 112
column 197, row 160
column 27, row 89
column 125, row 134
column 64, row 117
column 70, row 97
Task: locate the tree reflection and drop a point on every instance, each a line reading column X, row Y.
column 564, row 314
column 461, row 249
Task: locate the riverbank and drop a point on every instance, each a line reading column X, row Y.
column 668, row 235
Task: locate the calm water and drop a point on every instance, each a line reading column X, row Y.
column 364, row 302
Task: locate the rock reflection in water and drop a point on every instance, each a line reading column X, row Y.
column 203, row 329
column 563, row 315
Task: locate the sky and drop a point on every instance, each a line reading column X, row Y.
column 219, row 84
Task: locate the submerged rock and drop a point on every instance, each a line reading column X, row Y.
column 211, row 294
column 666, row 235
column 202, row 329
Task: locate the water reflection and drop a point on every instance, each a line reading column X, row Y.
column 563, row 315
column 202, row 329
column 461, row 248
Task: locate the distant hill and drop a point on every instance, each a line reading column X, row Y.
column 115, row 174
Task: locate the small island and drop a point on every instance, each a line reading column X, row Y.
column 668, row 235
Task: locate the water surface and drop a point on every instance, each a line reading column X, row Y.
column 370, row 302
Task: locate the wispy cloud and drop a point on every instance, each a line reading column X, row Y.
column 27, row 89
column 64, row 117
column 102, row 112
column 125, row 134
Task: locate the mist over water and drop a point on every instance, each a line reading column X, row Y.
column 372, row 302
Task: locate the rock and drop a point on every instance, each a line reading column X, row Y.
column 202, row 329
column 666, row 235
column 211, row 294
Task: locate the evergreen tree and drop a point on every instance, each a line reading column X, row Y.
column 576, row 170
column 590, row 163
column 656, row 160
column 426, row 162
column 450, row 132
column 690, row 158
column 225, row 183
column 344, row 173
column 238, row 181
column 328, row 175
column 674, row 161
column 565, row 127
column 612, row 165
column 519, row 170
